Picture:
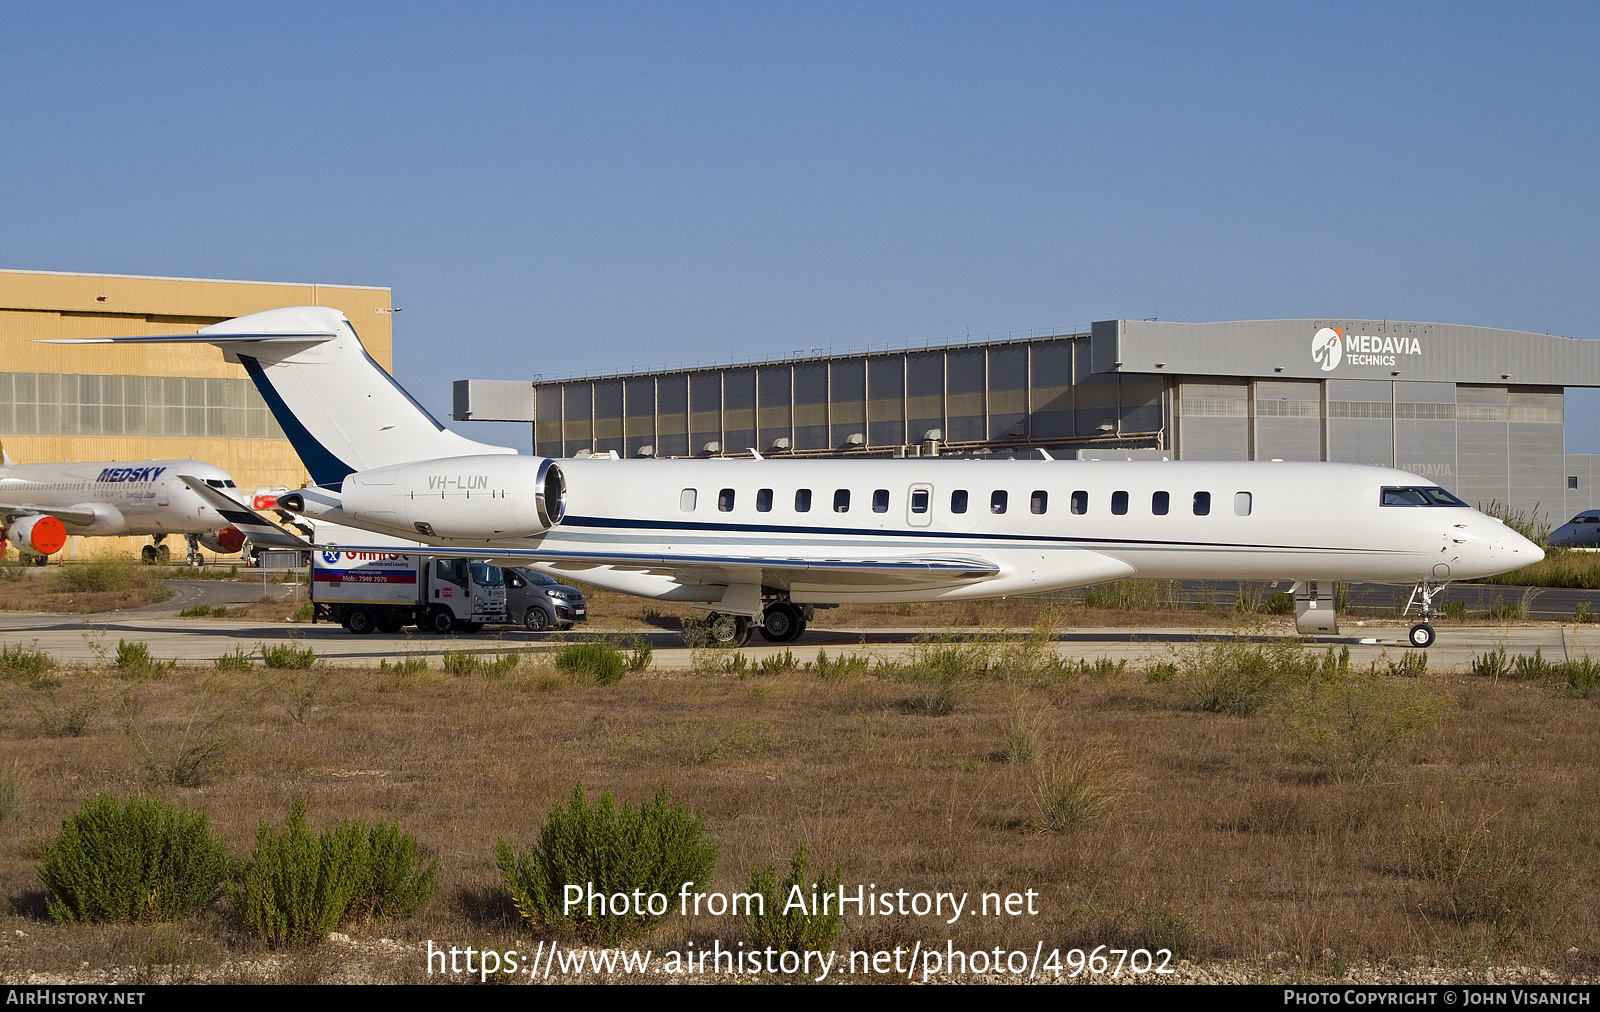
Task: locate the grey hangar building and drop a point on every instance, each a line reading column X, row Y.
column 1480, row 411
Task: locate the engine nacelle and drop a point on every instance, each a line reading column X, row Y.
column 38, row 535
column 224, row 542
column 481, row 498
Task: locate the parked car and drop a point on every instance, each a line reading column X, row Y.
column 541, row 602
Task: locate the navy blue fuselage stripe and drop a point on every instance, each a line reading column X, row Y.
column 683, row 526
column 325, row 468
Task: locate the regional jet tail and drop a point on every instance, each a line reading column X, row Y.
column 339, row 408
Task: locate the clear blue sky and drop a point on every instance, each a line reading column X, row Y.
column 557, row 188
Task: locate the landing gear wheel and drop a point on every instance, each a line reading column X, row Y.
column 147, row 555
column 729, row 630
column 388, row 623
column 536, row 620
column 359, row 621
column 782, row 623
column 441, row 621
column 1421, row 635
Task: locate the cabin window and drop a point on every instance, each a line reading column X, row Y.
column 1039, row 501
column 1202, row 504
column 958, row 501
column 919, row 500
column 880, row 501
column 841, row 500
column 1160, row 502
column 802, row 500
column 1241, row 504
column 997, row 502
column 1119, row 503
column 1080, row 502
column 686, row 500
column 725, row 500
column 764, row 500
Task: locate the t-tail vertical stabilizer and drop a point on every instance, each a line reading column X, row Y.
column 339, row 408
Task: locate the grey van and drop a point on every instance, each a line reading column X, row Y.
column 542, row 603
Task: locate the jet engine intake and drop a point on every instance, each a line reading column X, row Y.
column 38, row 535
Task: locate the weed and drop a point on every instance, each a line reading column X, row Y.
column 940, row 669
column 777, row 664
column 1078, row 787
column 1279, row 603
column 18, row 662
column 735, row 663
column 1492, row 664
column 146, row 861
column 1412, row 664
column 13, row 803
column 1165, row 929
column 1242, row 678
column 1455, row 610
column 1529, row 524
column 1582, row 613
column 1022, row 737
column 1128, row 595
column 286, row 655
column 656, row 847
column 640, row 653
column 1161, row 672
column 1525, row 668
column 98, row 575
column 134, row 661
column 596, row 661
column 1507, row 610
column 69, row 720
column 1349, row 724
column 403, row 668
column 697, row 745
column 195, row 759
column 297, row 887
column 235, row 660
column 1479, row 872
column 1582, row 676
column 839, row 668
column 460, row 663
column 793, row 927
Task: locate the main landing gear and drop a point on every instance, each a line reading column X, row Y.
column 195, row 558
column 155, row 553
column 780, row 622
column 1421, row 635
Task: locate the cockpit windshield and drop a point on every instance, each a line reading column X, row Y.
column 1422, row 495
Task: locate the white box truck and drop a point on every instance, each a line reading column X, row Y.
column 388, row 590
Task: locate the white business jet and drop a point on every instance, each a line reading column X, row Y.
column 41, row 505
column 760, row 543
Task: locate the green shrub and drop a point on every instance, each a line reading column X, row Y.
column 1582, row 676
column 657, row 847
column 144, row 862
column 286, row 655
column 797, row 927
column 459, row 662
column 1238, row 677
column 298, row 886
column 1349, row 724
column 1127, row 595
column 236, row 660
column 1525, row 668
column 1412, row 664
column 777, row 664
column 98, row 575
column 1492, row 664
column 640, row 654
column 596, row 661
column 839, row 668
column 18, row 662
column 1279, row 603
column 134, row 661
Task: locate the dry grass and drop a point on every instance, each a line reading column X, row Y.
column 1209, row 832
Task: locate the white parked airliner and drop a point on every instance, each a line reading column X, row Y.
column 41, row 505
column 759, row 543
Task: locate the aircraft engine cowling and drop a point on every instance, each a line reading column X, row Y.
column 38, row 535
column 224, row 542
column 488, row 498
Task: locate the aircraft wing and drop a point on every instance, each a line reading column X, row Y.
column 263, row 533
column 66, row 515
column 905, row 571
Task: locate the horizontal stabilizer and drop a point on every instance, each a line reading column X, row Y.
column 261, row 532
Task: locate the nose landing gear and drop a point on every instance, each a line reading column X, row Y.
column 1421, row 635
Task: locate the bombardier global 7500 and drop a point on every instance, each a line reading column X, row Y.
column 759, row 543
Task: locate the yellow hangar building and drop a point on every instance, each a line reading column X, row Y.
column 64, row 403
